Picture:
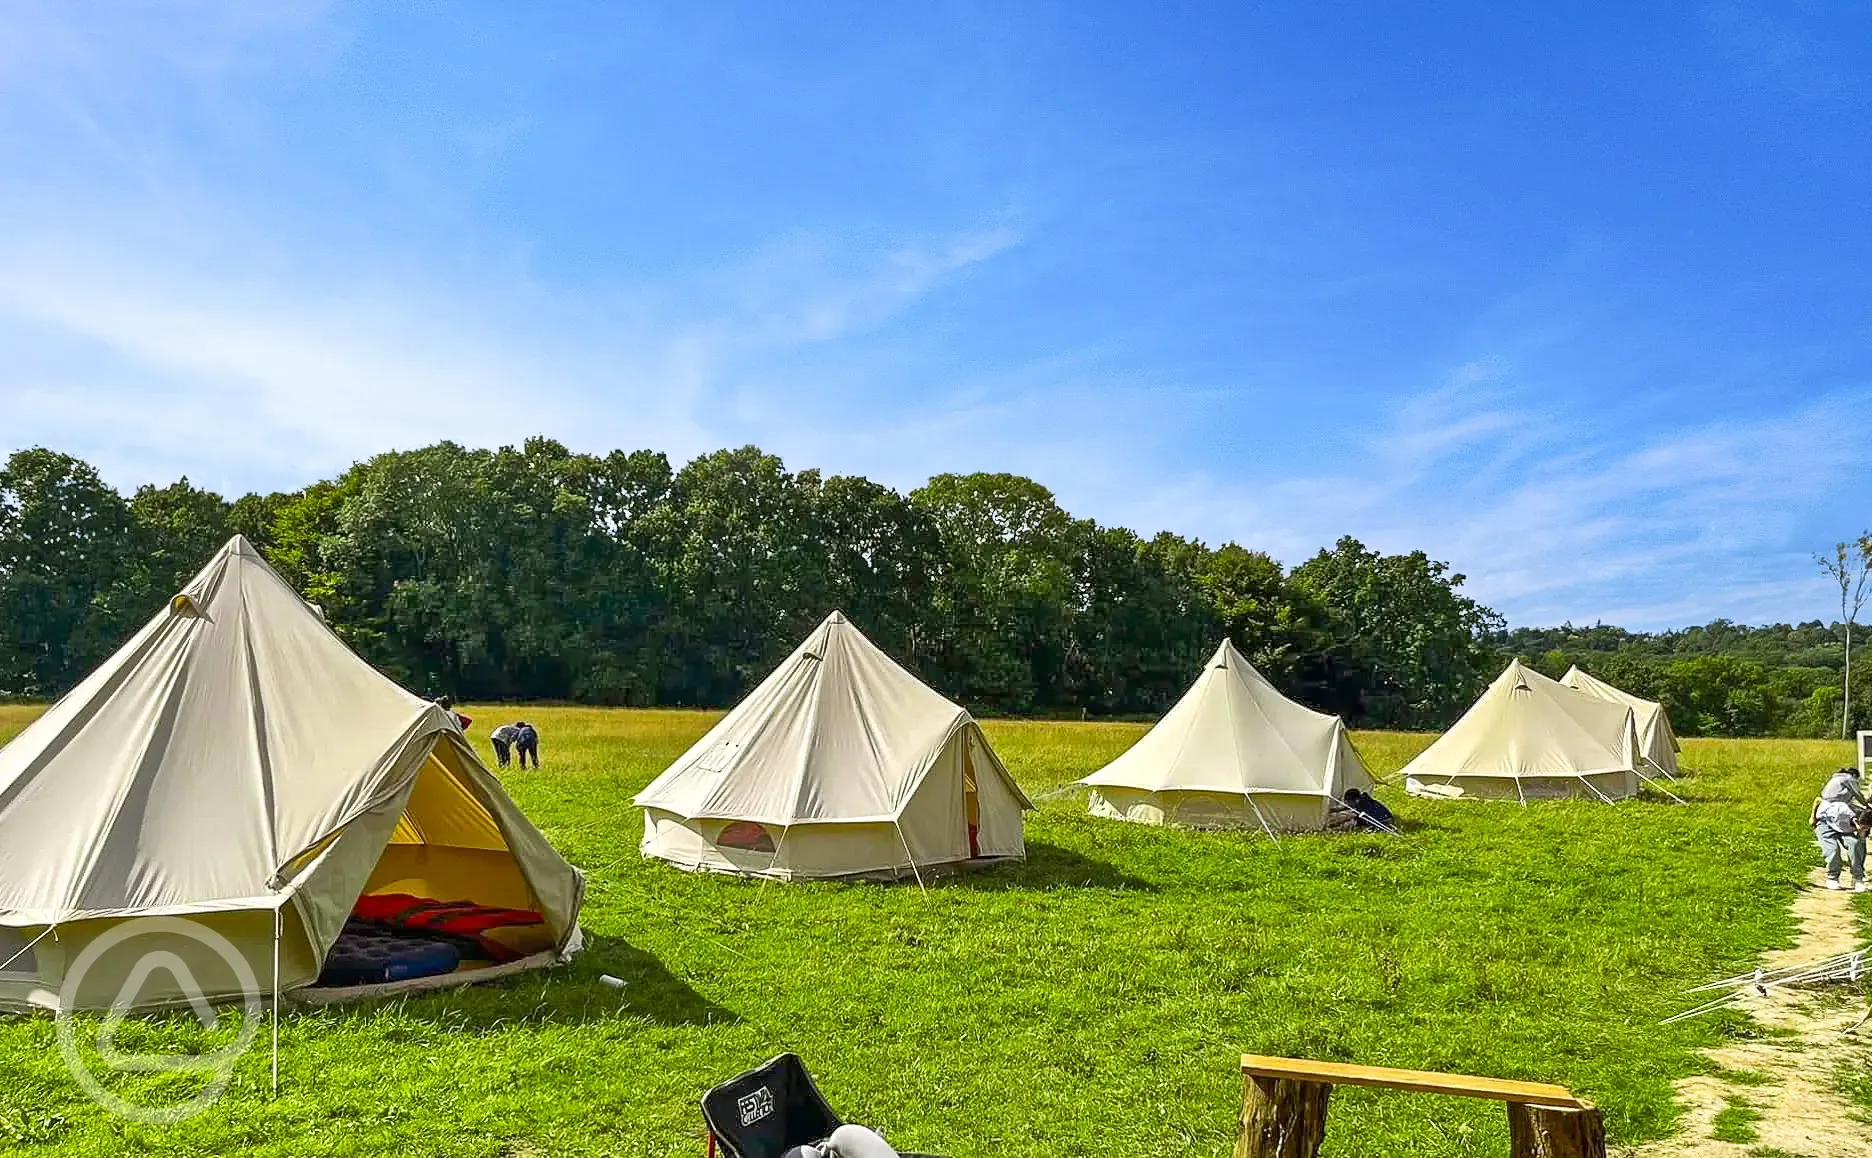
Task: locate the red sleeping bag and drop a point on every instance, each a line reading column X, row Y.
column 463, row 920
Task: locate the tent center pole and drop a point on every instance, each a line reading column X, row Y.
column 278, row 921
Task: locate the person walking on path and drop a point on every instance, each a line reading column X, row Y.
column 1836, row 828
column 504, row 737
column 526, row 743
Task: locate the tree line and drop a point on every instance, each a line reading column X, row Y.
column 533, row 572
column 1720, row 679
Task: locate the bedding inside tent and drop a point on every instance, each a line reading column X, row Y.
column 225, row 789
column 446, row 866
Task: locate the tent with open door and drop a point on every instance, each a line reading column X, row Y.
column 1531, row 737
column 1232, row 753
column 237, row 769
column 1657, row 743
column 839, row 764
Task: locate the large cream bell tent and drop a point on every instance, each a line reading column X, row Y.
column 1657, row 743
column 236, row 769
column 1232, row 753
column 840, row 764
column 1531, row 737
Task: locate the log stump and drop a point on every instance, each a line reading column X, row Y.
column 1281, row 1118
column 1550, row 1132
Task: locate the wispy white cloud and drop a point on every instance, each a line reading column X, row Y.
column 1556, row 519
column 301, row 373
column 162, row 321
column 159, row 323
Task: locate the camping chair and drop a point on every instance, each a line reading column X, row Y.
column 763, row 1112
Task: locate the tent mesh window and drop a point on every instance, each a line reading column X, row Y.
column 17, row 962
column 747, row 836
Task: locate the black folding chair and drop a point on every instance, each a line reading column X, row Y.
column 765, row 1111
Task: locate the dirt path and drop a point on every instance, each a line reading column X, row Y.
column 1787, row 1078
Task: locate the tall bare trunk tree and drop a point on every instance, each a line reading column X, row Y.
column 1849, row 566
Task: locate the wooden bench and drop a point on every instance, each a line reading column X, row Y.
column 1284, row 1107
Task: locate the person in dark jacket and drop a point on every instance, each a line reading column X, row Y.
column 526, row 743
column 1361, row 811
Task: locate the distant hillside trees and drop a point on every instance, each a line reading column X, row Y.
column 1722, row 679
column 533, row 572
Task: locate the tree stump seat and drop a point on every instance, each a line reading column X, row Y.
column 1284, row 1102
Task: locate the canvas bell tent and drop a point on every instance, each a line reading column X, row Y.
column 237, row 769
column 839, row 764
column 1232, row 753
column 1657, row 743
column 1531, row 737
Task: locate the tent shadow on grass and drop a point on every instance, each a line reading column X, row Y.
column 1048, row 866
column 568, row 995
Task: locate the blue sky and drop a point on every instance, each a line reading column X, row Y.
column 1574, row 299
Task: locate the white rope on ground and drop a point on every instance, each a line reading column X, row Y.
column 785, row 831
column 1060, row 791
column 1842, row 967
column 1840, row 964
column 1381, row 824
column 1854, row 1027
column 1587, row 781
column 1261, row 817
column 1652, row 782
column 901, row 839
column 1707, row 1007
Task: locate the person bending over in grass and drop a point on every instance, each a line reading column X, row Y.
column 526, row 743
column 1844, row 785
column 1836, row 826
column 503, row 738
column 1361, row 811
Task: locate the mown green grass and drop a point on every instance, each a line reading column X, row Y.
column 1092, row 1001
column 1735, row 1122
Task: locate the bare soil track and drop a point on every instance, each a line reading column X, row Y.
column 1788, row 1076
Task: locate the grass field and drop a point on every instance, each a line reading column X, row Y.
column 1090, row 1002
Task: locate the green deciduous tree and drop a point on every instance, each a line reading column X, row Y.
column 1407, row 648
column 537, row 572
column 65, row 543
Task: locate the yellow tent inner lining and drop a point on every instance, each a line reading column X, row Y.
column 446, row 845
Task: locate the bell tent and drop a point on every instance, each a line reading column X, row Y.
column 1531, row 737
column 1232, row 753
column 237, row 770
column 839, row 764
column 1657, row 743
